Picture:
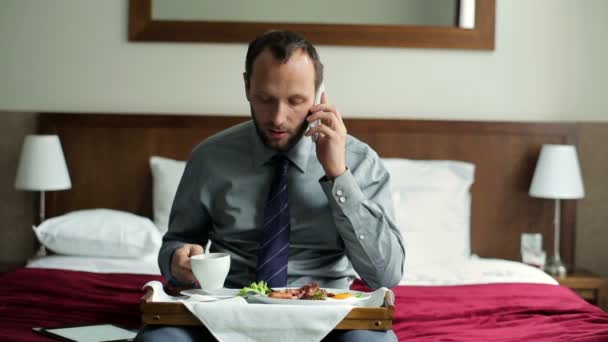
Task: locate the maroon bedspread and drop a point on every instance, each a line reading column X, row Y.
column 499, row 312
column 32, row 297
column 496, row 312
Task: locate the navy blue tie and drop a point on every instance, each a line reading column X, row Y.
column 274, row 247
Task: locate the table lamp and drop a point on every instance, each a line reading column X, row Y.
column 557, row 176
column 42, row 167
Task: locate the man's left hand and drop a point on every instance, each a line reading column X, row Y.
column 331, row 141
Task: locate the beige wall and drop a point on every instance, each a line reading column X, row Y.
column 73, row 55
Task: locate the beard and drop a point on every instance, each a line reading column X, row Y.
column 292, row 140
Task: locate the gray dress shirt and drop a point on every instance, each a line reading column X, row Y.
column 339, row 230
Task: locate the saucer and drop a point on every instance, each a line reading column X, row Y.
column 222, row 293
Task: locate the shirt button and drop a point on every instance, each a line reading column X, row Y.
column 339, row 192
column 361, row 237
column 342, row 199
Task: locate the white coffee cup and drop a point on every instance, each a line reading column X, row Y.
column 211, row 269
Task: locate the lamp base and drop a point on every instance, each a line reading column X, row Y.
column 555, row 267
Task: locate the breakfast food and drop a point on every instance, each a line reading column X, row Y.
column 310, row 291
column 256, row 288
column 307, row 292
column 341, row 295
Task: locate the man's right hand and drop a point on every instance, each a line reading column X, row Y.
column 181, row 268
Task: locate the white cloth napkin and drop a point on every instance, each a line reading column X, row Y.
column 234, row 319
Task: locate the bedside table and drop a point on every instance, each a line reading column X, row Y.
column 591, row 287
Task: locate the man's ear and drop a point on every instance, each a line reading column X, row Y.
column 246, row 81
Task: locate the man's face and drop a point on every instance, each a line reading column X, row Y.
column 280, row 95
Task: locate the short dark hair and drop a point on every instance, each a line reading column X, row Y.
column 282, row 44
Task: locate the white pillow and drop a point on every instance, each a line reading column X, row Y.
column 100, row 232
column 166, row 175
column 433, row 207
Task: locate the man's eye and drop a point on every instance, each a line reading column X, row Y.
column 265, row 99
column 296, row 101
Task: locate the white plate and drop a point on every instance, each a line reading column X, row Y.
column 357, row 297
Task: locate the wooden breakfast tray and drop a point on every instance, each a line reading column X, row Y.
column 166, row 313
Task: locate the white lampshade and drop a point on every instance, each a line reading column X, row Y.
column 42, row 165
column 557, row 174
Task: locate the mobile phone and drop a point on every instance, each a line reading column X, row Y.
column 315, row 123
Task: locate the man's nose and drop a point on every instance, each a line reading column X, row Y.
column 279, row 114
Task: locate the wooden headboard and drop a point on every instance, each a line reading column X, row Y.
column 107, row 156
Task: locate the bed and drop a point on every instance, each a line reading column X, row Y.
column 481, row 294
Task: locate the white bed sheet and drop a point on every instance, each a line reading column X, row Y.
column 146, row 265
column 474, row 270
column 457, row 272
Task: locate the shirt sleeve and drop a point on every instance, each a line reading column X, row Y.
column 189, row 220
column 364, row 216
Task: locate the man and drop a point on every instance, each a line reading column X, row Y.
column 328, row 201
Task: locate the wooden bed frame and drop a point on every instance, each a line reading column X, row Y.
column 107, row 156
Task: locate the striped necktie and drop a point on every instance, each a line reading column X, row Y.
column 274, row 247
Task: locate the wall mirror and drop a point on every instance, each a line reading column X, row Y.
column 457, row 24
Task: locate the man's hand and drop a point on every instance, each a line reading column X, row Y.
column 331, row 142
column 181, row 268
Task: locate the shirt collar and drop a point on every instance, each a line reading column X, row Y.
column 298, row 155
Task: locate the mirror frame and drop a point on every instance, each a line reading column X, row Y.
column 143, row 28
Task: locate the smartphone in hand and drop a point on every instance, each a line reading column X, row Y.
column 317, row 101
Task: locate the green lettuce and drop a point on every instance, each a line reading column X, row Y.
column 260, row 287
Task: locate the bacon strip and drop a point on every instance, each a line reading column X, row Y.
column 309, row 292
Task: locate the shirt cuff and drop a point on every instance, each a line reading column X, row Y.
column 343, row 193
